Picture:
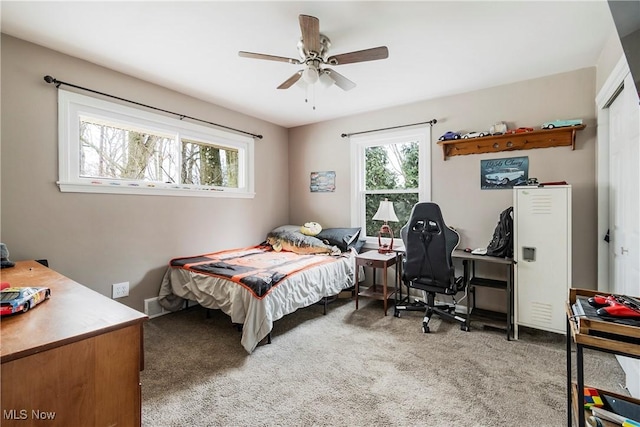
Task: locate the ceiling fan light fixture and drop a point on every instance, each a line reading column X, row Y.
column 313, row 48
column 301, row 84
column 310, row 75
column 325, row 79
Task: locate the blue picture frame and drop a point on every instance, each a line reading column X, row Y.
column 499, row 174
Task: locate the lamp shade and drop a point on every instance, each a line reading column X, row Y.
column 385, row 212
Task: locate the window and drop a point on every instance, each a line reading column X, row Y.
column 391, row 165
column 106, row 147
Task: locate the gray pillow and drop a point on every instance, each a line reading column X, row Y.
column 289, row 238
column 343, row 238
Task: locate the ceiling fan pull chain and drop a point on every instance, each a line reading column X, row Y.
column 313, row 96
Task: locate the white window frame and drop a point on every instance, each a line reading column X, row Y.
column 359, row 143
column 71, row 106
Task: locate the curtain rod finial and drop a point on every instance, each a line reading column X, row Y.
column 50, row 79
column 433, row 122
column 344, row 135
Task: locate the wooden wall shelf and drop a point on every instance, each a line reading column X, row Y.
column 542, row 138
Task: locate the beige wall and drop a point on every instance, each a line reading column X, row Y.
column 455, row 182
column 609, row 57
column 101, row 239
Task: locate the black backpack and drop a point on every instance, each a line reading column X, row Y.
column 501, row 244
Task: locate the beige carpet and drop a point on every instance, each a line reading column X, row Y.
column 356, row 368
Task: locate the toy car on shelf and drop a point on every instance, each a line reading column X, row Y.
column 561, row 123
column 21, row 300
column 519, row 130
column 498, row 128
column 504, row 176
column 474, row 134
column 449, row 136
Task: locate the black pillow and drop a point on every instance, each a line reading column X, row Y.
column 358, row 245
column 343, row 238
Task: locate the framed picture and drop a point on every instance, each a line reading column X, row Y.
column 503, row 173
column 323, row 182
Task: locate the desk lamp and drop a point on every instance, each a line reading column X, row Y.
column 385, row 213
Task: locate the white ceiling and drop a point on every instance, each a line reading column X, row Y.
column 435, row 48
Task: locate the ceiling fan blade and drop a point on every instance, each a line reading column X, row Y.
column 341, row 81
column 291, row 80
column 372, row 54
column 310, row 29
column 268, row 57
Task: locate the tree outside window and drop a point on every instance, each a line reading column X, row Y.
column 105, row 147
column 391, row 172
column 112, row 151
column 394, row 166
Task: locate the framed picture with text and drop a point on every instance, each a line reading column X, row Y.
column 503, row 173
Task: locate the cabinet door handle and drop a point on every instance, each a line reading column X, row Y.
column 369, row 263
column 623, row 250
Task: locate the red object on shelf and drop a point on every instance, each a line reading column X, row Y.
column 615, row 306
column 518, row 130
column 554, row 183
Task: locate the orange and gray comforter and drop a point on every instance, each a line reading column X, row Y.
column 257, row 268
column 255, row 286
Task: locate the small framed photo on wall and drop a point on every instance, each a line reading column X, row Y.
column 323, row 182
column 503, row 173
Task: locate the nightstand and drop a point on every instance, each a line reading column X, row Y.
column 375, row 260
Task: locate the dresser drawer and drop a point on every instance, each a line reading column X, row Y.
column 375, row 263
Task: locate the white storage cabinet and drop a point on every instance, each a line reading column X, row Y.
column 542, row 251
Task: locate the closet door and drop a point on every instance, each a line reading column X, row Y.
column 624, row 199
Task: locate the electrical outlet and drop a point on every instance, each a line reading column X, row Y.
column 120, row 290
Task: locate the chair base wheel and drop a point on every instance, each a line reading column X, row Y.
column 396, row 313
column 465, row 328
column 425, row 328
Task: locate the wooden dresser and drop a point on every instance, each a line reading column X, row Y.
column 73, row 360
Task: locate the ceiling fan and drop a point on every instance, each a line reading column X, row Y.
column 313, row 48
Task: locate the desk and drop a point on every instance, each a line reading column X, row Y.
column 76, row 356
column 374, row 259
column 469, row 263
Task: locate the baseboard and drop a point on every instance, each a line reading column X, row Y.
column 462, row 309
column 152, row 308
column 631, row 368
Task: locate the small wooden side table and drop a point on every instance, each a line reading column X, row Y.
column 374, row 259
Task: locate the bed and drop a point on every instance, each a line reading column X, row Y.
column 257, row 285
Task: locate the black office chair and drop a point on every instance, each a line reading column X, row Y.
column 427, row 265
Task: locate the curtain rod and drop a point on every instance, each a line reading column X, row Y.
column 430, row 122
column 57, row 82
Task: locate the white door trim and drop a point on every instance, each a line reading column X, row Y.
column 603, row 98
